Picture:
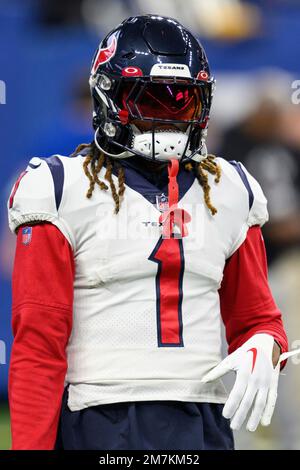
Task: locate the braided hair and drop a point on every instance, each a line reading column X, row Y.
column 209, row 164
column 97, row 160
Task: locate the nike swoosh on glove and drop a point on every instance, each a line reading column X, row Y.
column 256, row 381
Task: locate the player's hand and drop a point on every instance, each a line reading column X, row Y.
column 256, row 382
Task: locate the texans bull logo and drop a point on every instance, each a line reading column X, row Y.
column 104, row 55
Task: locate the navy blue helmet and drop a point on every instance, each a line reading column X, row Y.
column 152, row 90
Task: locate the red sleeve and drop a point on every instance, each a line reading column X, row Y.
column 42, row 302
column 246, row 301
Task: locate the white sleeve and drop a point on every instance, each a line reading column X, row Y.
column 33, row 199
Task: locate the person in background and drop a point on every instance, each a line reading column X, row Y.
column 268, row 144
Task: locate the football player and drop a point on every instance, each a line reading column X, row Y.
column 129, row 254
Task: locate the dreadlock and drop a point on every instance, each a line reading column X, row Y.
column 97, row 160
column 209, row 164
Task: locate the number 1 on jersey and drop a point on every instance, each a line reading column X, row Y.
column 168, row 254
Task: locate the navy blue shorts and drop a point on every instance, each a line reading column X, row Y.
column 145, row 425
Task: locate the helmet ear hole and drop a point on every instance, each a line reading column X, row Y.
column 96, row 121
column 123, row 136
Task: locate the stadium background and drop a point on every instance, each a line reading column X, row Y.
column 46, row 48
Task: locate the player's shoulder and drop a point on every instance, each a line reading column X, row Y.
column 237, row 174
column 37, row 193
column 44, row 177
column 233, row 170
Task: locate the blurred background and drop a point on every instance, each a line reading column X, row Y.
column 46, row 47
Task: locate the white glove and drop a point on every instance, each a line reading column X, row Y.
column 256, row 381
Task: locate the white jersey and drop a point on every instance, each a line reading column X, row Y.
column 146, row 309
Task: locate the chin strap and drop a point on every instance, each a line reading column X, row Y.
column 174, row 216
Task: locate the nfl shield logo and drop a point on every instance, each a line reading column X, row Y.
column 26, row 235
column 162, row 202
